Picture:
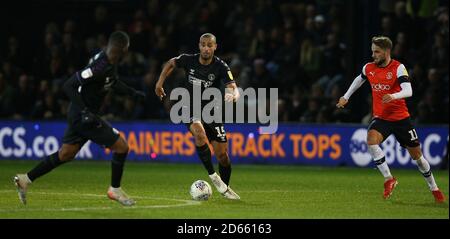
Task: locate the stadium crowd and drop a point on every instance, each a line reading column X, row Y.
column 299, row 47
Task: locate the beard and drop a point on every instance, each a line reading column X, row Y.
column 380, row 62
column 205, row 57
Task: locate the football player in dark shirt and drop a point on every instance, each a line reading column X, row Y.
column 206, row 70
column 86, row 90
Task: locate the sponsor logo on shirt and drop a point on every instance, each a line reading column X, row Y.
column 380, row 87
column 196, row 81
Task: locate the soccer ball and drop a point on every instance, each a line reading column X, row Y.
column 201, row 190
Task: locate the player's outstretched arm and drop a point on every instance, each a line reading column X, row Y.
column 357, row 82
column 166, row 71
column 122, row 88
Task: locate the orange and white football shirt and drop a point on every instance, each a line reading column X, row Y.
column 386, row 80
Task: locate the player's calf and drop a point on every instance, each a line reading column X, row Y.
column 120, row 149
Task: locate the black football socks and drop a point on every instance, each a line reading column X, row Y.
column 48, row 164
column 225, row 173
column 205, row 156
column 117, row 164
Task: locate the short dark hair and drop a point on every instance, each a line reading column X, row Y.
column 383, row 42
column 119, row 38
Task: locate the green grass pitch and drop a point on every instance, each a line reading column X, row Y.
column 78, row 190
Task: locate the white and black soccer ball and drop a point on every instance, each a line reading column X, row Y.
column 201, row 190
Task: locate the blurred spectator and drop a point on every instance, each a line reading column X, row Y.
column 439, row 53
column 139, row 33
column 24, row 98
column 14, row 52
column 287, row 60
column 101, row 23
column 70, row 52
column 10, row 73
column 333, row 53
column 402, row 20
column 320, row 28
column 310, row 58
column 311, row 112
column 259, row 46
column 241, row 72
column 149, row 111
column 430, row 109
column 298, row 103
column 283, row 113
column 387, row 27
column 130, row 111
column 259, row 77
column 46, row 109
column 418, row 81
column 368, row 117
column 6, row 98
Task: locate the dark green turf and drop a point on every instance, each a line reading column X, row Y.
column 77, row 190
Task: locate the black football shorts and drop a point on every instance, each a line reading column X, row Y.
column 214, row 131
column 403, row 130
column 100, row 132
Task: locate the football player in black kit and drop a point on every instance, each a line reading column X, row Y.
column 86, row 90
column 206, row 70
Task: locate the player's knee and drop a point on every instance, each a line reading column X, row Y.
column 415, row 155
column 200, row 139
column 123, row 148
column 372, row 141
column 126, row 148
column 374, row 138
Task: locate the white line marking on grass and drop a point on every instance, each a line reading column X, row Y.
column 181, row 204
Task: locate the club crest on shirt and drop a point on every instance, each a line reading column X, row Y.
column 389, row 75
column 211, row 77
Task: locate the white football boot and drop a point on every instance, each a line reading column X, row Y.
column 218, row 183
column 21, row 181
column 119, row 195
column 230, row 194
column 223, row 189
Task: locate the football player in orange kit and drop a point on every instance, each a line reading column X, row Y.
column 390, row 85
